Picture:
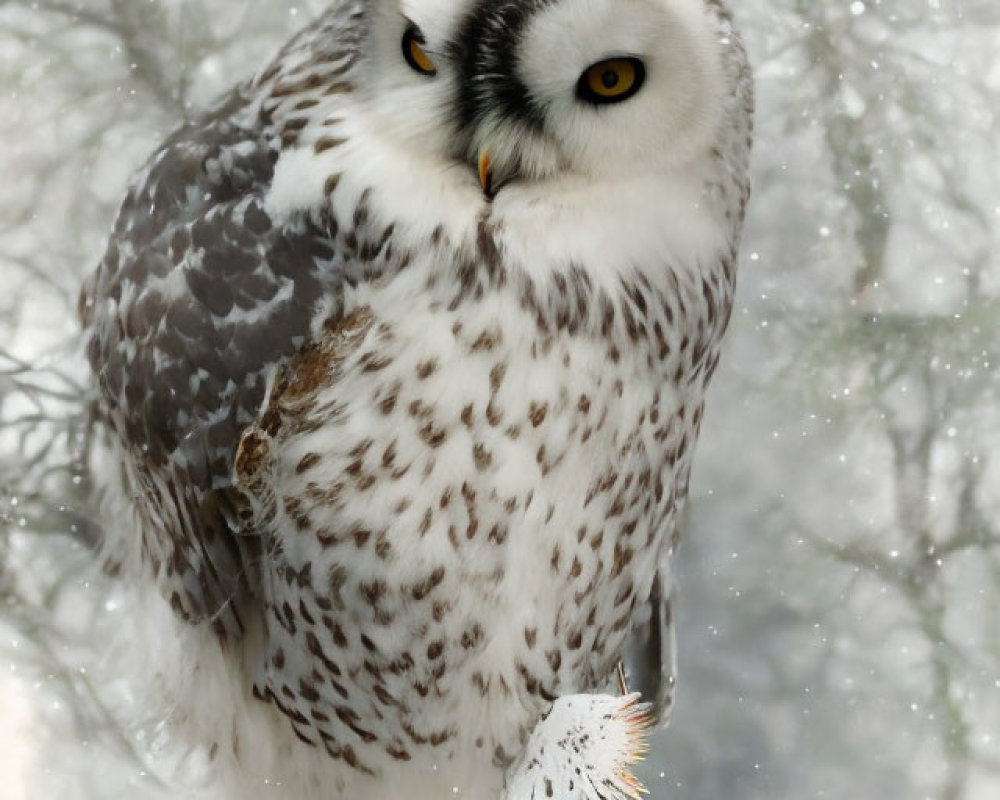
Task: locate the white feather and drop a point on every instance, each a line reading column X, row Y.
column 583, row 749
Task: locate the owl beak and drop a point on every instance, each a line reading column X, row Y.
column 486, row 171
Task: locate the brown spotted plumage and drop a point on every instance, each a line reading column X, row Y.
column 409, row 433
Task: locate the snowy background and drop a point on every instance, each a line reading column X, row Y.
column 840, row 573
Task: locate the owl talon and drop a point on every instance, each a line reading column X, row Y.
column 622, row 678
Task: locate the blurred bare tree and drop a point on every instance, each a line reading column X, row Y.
column 841, row 570
column 857, row 535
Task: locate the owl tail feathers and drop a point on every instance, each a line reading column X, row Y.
column 583, row 749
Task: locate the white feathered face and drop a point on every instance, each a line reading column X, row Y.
column 535, row 89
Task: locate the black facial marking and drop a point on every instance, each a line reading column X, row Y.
column 485, row 49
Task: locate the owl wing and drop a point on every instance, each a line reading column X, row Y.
column 200, row 295
column 650, row 652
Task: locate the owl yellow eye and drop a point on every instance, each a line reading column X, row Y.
column 414, row 53
column 611, row 80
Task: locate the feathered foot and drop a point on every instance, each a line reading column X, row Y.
column 583, row 750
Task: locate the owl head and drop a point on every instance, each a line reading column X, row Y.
column 528, row 90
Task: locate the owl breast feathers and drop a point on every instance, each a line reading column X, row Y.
column 403, row 348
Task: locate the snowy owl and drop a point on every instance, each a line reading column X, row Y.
column 402, row 351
